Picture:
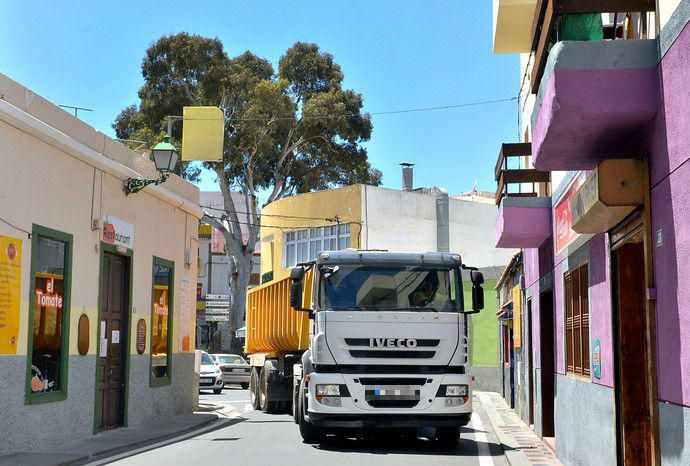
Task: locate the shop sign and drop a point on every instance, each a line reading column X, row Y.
column 199, row 292
column 564, row 220
column 10, row 279
column 187, row 314
column 596, row 358
column 585, row 198
column 117, row 232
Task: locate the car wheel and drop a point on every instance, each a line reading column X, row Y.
column 244, row 385
column 217, row 391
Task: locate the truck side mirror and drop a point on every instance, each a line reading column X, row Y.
column 296, row 275
column 477, row 279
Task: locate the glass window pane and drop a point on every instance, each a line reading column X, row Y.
column 160, row 319
column 49, row 291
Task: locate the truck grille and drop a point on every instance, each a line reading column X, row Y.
column 428, row 343
column 404, row 354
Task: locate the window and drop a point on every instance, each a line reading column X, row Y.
column 161, row 321
column 577, row 321
column 304, row 245
column 48, row 343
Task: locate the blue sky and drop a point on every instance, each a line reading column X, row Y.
column 399, row 54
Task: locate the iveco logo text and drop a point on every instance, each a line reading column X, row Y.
column 392, row 343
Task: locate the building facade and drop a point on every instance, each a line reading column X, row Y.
column 294, row 229
column 596, row 196
column 96, row 287
column 214, row 276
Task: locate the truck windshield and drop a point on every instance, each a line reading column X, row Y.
column 376, row 288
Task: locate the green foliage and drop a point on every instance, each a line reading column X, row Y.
column 294, row 130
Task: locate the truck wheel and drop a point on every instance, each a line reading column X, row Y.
column 268, row 406
column 309, row 432
column 254, row 390
column 448, row 436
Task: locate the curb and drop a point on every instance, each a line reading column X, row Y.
column 135, row 445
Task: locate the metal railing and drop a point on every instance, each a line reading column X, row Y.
column 524, row 181
column 546, row 25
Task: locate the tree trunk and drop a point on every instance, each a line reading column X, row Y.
column 240, row 275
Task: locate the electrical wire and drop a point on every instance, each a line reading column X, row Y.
column 270, row 215
column 28, row 233
column 281, row 227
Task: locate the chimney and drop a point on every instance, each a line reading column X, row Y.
column 407, row 176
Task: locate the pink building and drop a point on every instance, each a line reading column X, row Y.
column 597, row 196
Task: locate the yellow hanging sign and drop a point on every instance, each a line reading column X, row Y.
column 202, row 133
column 517, row 316
column 10, row 285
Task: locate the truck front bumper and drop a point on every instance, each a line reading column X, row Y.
column 355, row 408
column 363, row 421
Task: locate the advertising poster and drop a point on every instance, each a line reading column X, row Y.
column 564, row 220
column 217, row 242
column 10, row 281
column 517, row 316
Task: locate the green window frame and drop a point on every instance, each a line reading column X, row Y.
column 60, row 393
column 154, row 380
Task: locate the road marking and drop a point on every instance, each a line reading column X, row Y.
column 483, row 452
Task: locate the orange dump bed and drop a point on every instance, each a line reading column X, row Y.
column 272, row 325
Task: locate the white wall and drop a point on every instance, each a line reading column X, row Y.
column 398, row 220
column 406, row 221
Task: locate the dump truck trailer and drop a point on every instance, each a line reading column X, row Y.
column 359, row 340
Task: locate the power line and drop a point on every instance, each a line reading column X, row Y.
column 269, row 215
column 280, row 227
column 28, row 233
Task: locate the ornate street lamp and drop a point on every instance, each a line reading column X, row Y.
column 165, row 157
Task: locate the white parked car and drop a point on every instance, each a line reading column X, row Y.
column 235, row 369
column 210, row 376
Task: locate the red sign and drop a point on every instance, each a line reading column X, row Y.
column 199, row 294
column 564, row 231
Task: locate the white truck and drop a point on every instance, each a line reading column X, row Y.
column 386, row 344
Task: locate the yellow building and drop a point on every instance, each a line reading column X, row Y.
column 294, row 229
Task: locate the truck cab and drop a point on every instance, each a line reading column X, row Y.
column 387, row 346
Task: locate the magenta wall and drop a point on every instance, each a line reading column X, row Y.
column 600, row 305
column 671, row 215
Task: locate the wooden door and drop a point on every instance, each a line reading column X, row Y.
column 530, row 364
column 114, row 312
column 633, row 416
column 548, row 366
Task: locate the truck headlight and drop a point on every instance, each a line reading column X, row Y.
column 328, row 390
column 456, row 390
column 331, row 394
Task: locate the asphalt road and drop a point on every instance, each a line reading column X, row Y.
column 252, row 438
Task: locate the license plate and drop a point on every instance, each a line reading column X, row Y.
column 206, row 380
column 392, row 392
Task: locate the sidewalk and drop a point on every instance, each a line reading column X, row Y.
column 110, row 442
column 520, row 444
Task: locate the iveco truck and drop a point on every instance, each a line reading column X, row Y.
column 360, row 340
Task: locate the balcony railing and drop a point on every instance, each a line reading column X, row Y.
column 519, row 182
column 546, row 26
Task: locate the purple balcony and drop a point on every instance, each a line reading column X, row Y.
column 594, row 99
column 523, row 197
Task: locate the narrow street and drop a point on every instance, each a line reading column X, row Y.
column 244, row 441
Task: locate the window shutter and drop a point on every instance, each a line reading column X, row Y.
column 569, row 322
column 584, row 317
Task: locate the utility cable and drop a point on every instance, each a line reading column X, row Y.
column 28, row 233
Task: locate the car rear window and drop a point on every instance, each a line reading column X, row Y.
column 232, row 359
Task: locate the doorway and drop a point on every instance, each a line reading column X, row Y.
column 548, row 366
column 633, row 417
column 530, row 365
column 114, row 337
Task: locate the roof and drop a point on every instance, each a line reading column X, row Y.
column 508, row 270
